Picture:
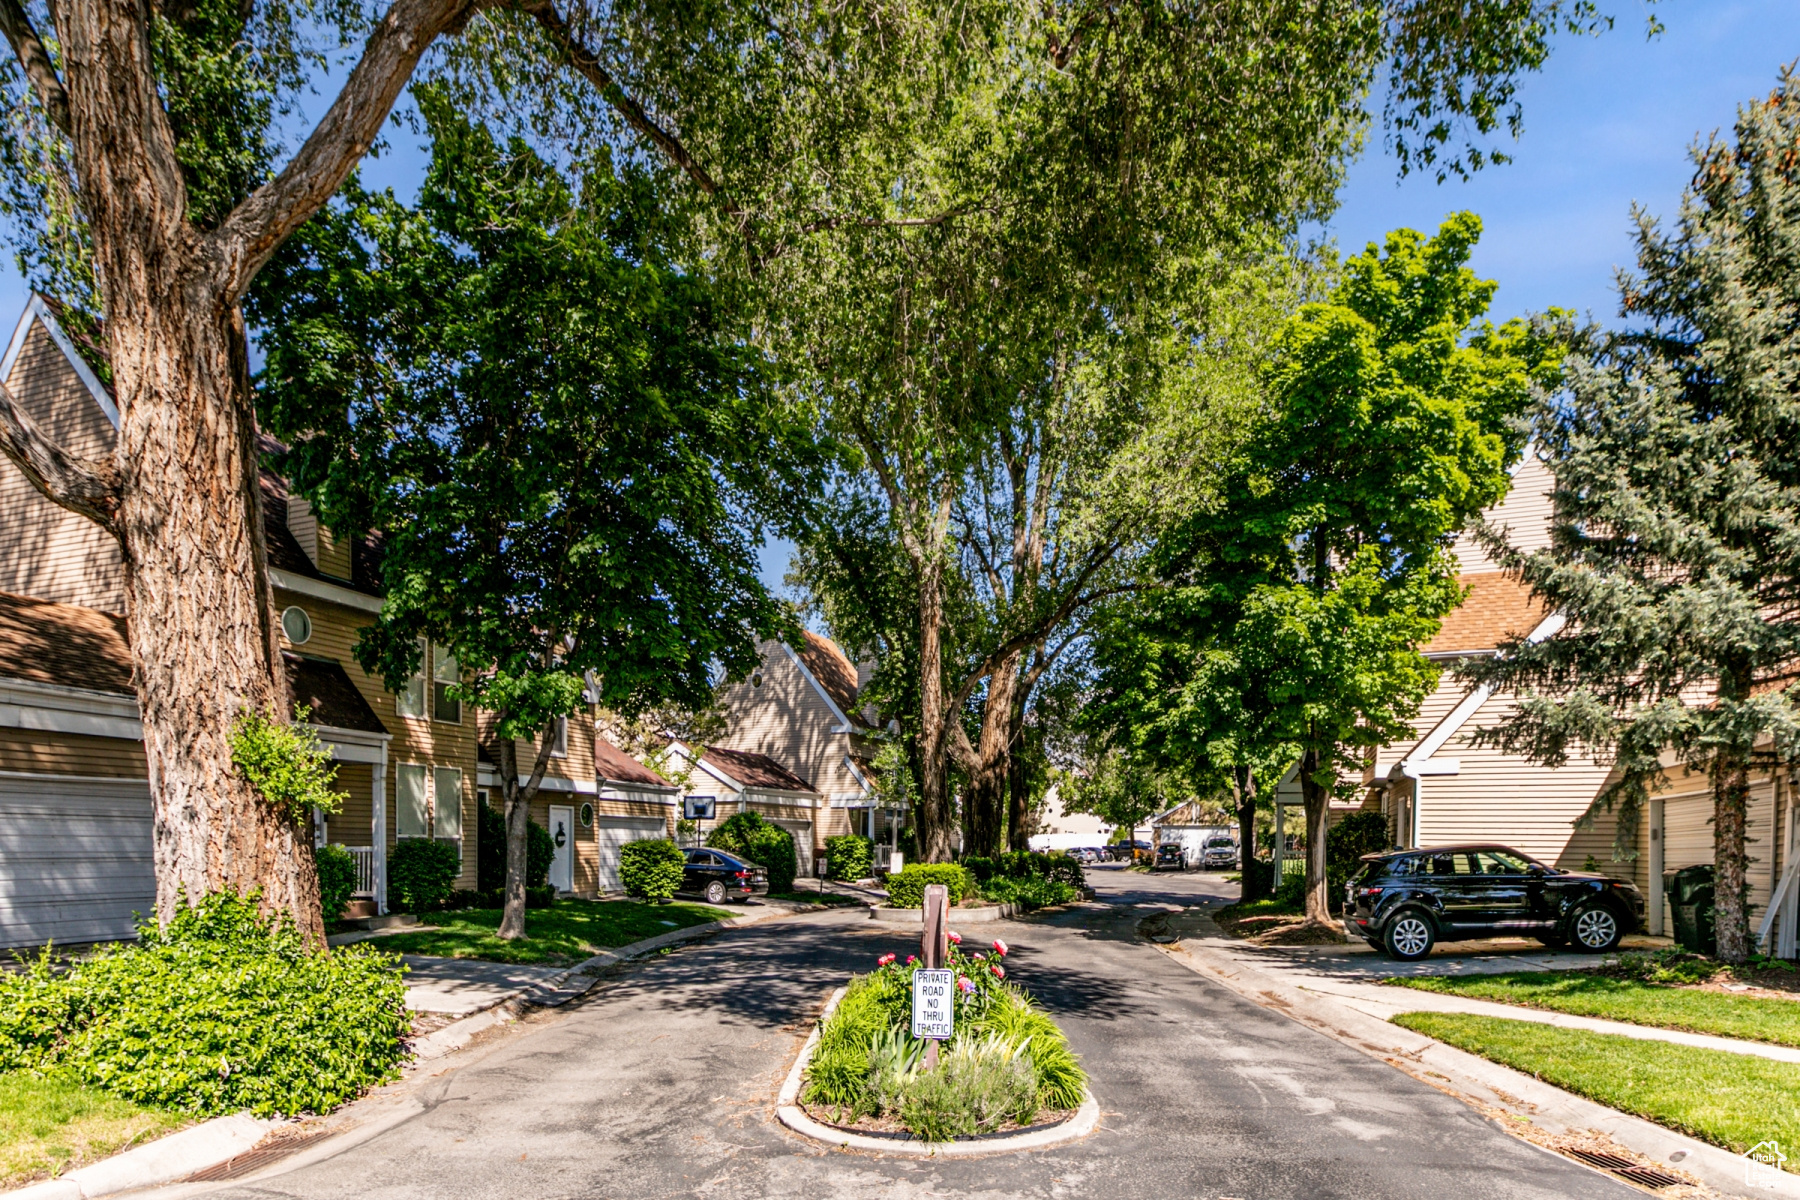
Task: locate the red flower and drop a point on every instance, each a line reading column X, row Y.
column 1000, row 947
column 998, row 970
column 884, row 960
column 911, row 959
column 956, row 937
column 965, row 983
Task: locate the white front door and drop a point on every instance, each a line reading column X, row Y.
column 562, row 831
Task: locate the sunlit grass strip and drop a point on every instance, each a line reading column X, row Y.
column 51, row 1124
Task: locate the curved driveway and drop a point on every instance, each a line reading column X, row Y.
column 661, row 1084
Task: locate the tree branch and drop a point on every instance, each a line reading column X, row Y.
column 35, row 61
column 80, row 485
column 256, row 227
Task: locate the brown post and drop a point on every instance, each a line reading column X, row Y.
column 934, row 946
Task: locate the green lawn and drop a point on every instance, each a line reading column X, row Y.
column 50, row 1125
column 1730, row 1100
column 569, row 932
column 1753, row 1018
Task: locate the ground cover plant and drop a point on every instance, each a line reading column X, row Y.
column 566, row 932
column 51, row 1124
column 1007, row 1064
column 221, row 1011
column 1730, row 1100
column 1663, row 1005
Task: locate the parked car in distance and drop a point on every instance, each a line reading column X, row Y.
column 1219, row 851
column 1087, row 854
column 1121, row 851
column 1405, row 901
column 1171, row 856
column 716, row 876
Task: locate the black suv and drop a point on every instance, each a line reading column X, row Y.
column 1404, row 901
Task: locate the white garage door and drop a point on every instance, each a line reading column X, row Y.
column 613, row 832
column 803, row 846
column 75, row 860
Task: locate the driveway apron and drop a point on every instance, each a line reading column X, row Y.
column 661, row 1084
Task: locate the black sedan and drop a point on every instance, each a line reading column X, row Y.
column 1405, row 901
column 717, row 876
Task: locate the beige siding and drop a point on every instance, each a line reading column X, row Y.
column 1524, row 513
column 46, row 550
column 352, row 825
column 41, row 753
column 328, row 553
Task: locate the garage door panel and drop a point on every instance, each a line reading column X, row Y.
column 611, row 833
column 75, row 860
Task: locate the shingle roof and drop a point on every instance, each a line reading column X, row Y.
column 613, row 765
column 1498, row 607
column 754, row 770
column 64, row 645
column 833, row 671
column 321, row 685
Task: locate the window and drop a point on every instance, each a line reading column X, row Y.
column 1452, row 864
column 409, row 701
column 409, row 800
column 1501, row 863
column 560, row 744
column 446, row 785
column 297, row 625
column 444, row 676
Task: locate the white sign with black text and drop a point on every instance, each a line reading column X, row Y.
column 933, row 1012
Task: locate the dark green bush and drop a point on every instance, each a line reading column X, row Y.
column 1345, row 843
column 490, row 850
column 849, row 856
column 1258, row 877
column 762, row 842
column 421, row 874
column 1026, row 864
column 906, row 888
column 651, row 869
column 220, row 1012
column 1031, row 891
column 337, row 879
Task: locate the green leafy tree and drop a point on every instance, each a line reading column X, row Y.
column 1297, row 605
column 561, row 441
column 1121, row 790
column 1675, row 539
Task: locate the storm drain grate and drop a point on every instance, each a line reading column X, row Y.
column 1623, row 1167
column 271, row 1150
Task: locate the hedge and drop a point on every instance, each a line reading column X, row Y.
column 651, row 869
column 906, row 888
column 490, row 850
column 222, row 1011
column 762, row 842
column 1027, row 864
column 849, row 856
column 337, row 879
column 421, row 874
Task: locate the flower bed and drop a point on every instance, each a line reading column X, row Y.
column 1007, row 1068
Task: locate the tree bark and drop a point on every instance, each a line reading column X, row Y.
column 934, row 776
column 985, row 799
column 519, row 795
column 1317, row 797
column 1246, row 815
column 1731, row 805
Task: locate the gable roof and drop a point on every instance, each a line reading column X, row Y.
column 1498, row 607
column 322, row 685
column 64, row 645
column 754, row 770
column 613, row 765
column 831, row 672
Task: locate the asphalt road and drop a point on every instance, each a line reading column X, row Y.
column 661, row 1083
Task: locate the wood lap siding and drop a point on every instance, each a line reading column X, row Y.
column 37, row 752
column 1525, row 512
column 45, row 550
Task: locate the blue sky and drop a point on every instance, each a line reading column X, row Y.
column 1608, row 122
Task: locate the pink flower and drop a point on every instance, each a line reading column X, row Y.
column 884, row 960
column 1000, row 947
column 965, row 983
column 956, row 937
column 998, row 970
column 911, row 959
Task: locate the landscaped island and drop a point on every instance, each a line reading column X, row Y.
column 1008, row 1066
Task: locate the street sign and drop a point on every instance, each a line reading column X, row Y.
column 697, row 808
column 934, row 1010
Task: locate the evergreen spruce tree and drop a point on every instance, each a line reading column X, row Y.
column 1675, row 551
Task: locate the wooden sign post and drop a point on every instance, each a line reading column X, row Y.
column 934, row 945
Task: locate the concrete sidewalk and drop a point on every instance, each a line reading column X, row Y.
column 459, row 987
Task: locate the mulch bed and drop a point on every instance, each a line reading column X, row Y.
column 1278, row 929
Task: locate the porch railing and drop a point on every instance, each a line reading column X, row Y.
column 365, row 869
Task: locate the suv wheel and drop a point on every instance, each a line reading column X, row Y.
column 1409, row 936
column 1596, row 929
column 715, row 892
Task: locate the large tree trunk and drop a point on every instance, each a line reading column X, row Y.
column 1317, row 797
column 1246, row 815
column 1731, row 804
column 985, row 801
column 934, row 815
column 519, row 794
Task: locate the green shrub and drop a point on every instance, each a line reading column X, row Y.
column 1258, row 878
column 762, row 842
column 651, row 869
column 337, row 879
column 286, row 763
column 1346, row 842
column 1026, row 864
column 906, row 888
column 978, row 1086
column 849, row 856
column 222, row 1011
column 838, row 1072
column 490, row 850
column 1031, row 892
column 421, row 874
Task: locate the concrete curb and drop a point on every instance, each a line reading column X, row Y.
column 163, row 1161
column 790, row 1114
column 1475, row 1080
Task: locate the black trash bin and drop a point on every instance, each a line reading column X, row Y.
column 1690, row 893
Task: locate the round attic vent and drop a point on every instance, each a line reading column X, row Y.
column 297, row 625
